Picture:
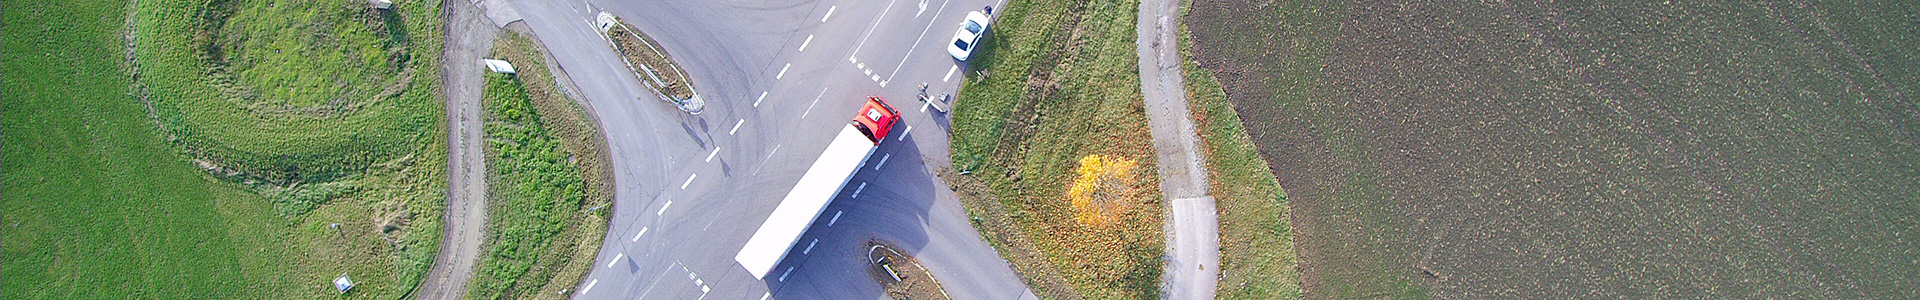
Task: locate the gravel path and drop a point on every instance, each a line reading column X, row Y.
column 1193, row 234
column 468, row 37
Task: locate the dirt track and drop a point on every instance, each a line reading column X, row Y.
column 1535, row 150
column 469, row 36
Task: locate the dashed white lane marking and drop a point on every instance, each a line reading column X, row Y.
column 783, row 275
column 810, row 246
column 903, row 134
column 816, row 101
column 876, row 78
column 636, row 237
column 716, row 151
column 803, row 45
column 836, row 218
column 763, row 97
column 736, row 126
column 856, row 191
column 616, row 259
column 950, row 73
column 683, row 185
column 830, row 9
column 783, row 72
column 765, row 296
column 663, row 208
column 589, row 287
column 883, row 161
column 923, row 106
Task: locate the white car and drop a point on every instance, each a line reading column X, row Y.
column 968, row 36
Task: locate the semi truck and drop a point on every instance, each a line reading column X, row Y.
column 844, row 156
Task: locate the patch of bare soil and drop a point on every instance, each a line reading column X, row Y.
column 901, row 275
column 656, row 69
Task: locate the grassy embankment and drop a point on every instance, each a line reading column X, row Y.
column 93, row 202
column 326, row 111
column 1275, row 51
column 547, row 168
column 1062, row 85
column 1257, row 258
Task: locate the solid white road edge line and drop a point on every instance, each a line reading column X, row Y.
column 869, row 34
column 816, row 101
column 916, row 41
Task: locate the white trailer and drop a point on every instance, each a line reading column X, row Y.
column 809, row 198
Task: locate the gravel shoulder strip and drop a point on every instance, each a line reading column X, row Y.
column 1193, row 236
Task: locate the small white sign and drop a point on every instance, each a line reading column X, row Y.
column 498, row 66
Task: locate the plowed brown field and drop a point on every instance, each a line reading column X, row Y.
column 1549, row 150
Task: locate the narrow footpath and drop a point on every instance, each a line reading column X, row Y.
column 1193, row 230
column 469, row 36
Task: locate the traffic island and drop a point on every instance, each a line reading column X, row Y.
column 650, row 63
column 900, row 275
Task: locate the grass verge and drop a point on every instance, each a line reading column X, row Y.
column 1257, row 258
column 1061, row 85
column 549, row 182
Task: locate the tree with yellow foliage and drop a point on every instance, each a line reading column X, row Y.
column 1102, row 191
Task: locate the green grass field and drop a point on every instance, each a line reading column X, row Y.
column 93, row 203
column 1062, row 84
column 232, row 196
column 98, row 205
column 546, row 169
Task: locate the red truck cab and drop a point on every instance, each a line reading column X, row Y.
column 876, row 119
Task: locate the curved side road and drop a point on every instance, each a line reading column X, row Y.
column 1193, row 230
column 468, row 36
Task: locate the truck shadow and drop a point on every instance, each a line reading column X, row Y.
column 889, row 200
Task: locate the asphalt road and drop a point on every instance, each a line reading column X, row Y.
column 691, row 189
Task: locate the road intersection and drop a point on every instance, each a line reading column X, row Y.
column 779, row 78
